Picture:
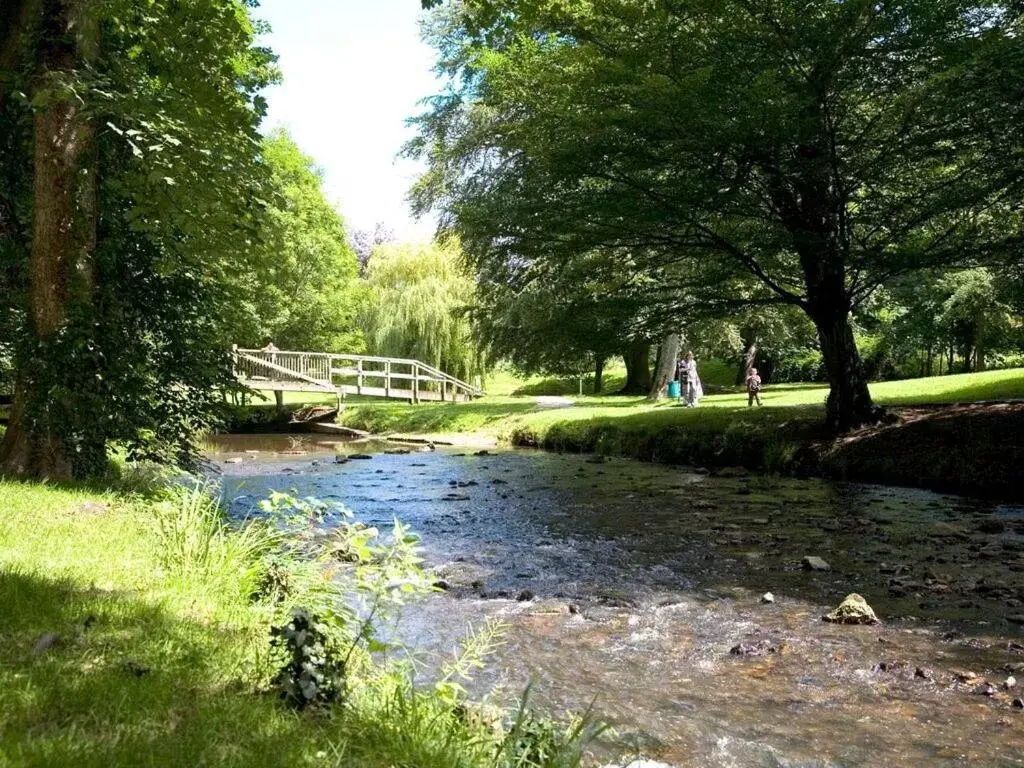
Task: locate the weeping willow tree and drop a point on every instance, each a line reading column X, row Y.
column 419, row 295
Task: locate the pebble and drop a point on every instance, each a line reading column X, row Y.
column 767, row 597
column 813, row 563
column 1011, row 681
column 924, row 673
column 1018, row 703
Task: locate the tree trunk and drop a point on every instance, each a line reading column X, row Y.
column 668, row 353
column 60, row 268
column 598, row 375
column 849, row 401
column 638, row 368
column 749, row 355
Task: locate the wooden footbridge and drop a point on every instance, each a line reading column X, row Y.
column 391, row 377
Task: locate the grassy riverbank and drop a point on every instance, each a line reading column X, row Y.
column 129, row 636
column 957, row 448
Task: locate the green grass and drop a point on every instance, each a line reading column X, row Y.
column 502, row 415
column 163, row 653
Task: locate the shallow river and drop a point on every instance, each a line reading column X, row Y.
column 628, row 585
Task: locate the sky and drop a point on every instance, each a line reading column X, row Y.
column 353, row 72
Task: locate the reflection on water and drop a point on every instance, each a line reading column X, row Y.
column 628, row 584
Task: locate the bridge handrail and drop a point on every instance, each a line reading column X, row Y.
column 263, row 357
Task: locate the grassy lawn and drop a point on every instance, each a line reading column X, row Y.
column 502, row 415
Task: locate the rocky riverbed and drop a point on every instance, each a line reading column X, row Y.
column 641, row 588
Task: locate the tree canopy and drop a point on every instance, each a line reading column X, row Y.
column 417, row 304
column 814, row 151
column 130, row 204
column 303, row 287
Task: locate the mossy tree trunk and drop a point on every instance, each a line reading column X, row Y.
column 60, row 271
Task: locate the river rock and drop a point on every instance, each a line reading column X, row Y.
column 1018, row 703
column 767, row 597
column 813, row 563
column 525, row 595
column 548, row 608
column 759, row 648
column 233, row 460
column 853, row 610
column 461, row 575
column 1010, row 682
column 924, row 673
column 361, row 456
column 947, row 532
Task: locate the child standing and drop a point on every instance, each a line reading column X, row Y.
column 753, row 388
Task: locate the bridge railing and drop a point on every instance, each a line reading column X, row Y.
column 391, row 377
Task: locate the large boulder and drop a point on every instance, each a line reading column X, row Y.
column 853, row 610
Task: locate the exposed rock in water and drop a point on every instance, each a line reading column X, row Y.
column 813, row 563
column 361, row 456
column 549, row 608
column 853, row 610
column 525, row 595
column 233, row 460
column 767, row 597
column 759, row 648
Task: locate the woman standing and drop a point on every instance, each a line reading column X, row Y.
column 691, row 383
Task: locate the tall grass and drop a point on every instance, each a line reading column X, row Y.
column 163, row 656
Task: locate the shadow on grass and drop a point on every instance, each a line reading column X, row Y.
column 127, row 684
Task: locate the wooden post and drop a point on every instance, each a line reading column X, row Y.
column 415, row 383
column 444, row 386
column 359, row 376
column 387, row 379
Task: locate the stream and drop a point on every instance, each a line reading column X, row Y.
column 638, row 588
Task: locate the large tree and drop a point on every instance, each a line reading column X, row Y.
column 416, row 306
column 303, row 286
column 821, row 147
column 131, row 168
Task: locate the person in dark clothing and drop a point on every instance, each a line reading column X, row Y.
column 753, row 388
